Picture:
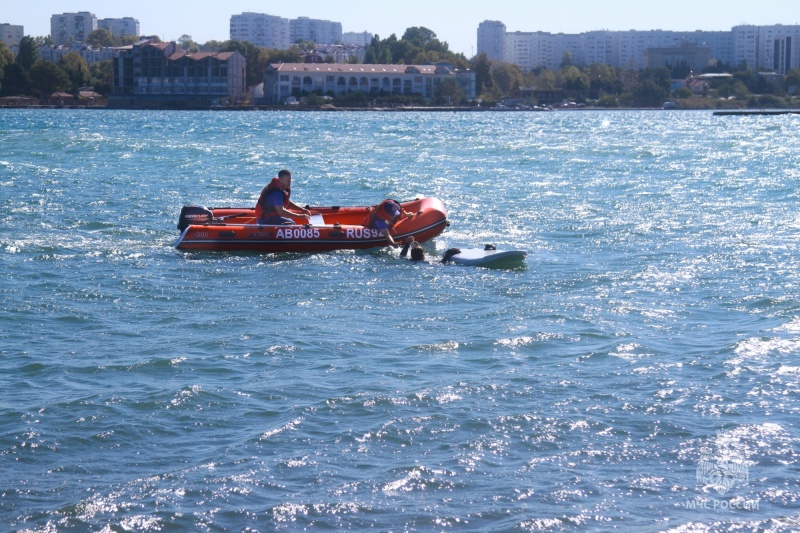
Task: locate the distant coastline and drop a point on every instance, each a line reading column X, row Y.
column 406, row 109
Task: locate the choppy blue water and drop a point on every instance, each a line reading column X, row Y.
column 641, row 373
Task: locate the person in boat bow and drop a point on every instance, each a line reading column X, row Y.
column 385, row 216
column 274, row 203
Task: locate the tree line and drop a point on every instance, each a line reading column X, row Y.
column 606, row 86
column 597, row 84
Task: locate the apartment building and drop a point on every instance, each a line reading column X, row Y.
column 264, row 31
column 763, row 47
column 285, row 80
column 11, row 34
column 162, row 75
column 362, row 38
column 71, row 27
column 492, row 40
column 318, row 31
column 120, row 27
column 781, row 47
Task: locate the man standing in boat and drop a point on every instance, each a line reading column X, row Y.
column 274, row 203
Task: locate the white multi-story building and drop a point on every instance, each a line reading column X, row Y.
column 69, row 27
column 780, row 46
column 362, row 38
column 492, row 40
column 11, row 34
column 745, row 46
column 763, row 47
column 120, row 27
column 318, row 31
column 264, row 31
column 529, row 50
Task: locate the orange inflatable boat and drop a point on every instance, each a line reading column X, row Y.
column 330, row 228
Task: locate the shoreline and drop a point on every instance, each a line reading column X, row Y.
column 418, row 109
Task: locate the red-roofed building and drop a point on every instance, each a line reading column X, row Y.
column 162, row 75
column 285, row 80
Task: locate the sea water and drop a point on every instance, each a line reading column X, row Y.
column 640, row 373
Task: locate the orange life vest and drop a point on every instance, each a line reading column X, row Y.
column 381, row 212
column 262, row 209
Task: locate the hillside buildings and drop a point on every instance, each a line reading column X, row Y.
column 162, row 75
column 11, row 34
column 761, row 47
column 68, row 28
column 268, row 31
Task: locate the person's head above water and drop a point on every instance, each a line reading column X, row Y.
column 417, row 253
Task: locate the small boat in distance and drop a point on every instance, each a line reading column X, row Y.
column 330, row 228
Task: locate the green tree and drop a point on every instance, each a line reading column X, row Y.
column 650, row 94
column 251, row 54
column 566, row 59
column 419, row 36
column 28, row 53
column 419, row 45
column 450, row 92
column 792, row 81
column 305, row 45
column 571, row 78
column 188, row 44
column 212, row 46
column 46, row 78
column 545, row 80
column 15, row 81
column 44, row 41
column 100, row 38
column 484, row 83
column 102, row 76
column 125, row 40
column 76, row 68
column 507, row 78
column 3, row 61
column 601, row 78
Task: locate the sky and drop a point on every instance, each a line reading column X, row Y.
column 455, row 22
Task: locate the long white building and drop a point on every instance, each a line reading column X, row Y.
column 762, row 47
column 284, row 80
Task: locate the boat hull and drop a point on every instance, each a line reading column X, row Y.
column 330, row 228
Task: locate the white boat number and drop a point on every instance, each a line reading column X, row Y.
column 297, row 233
column 314, row 233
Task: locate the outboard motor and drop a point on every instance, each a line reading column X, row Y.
column 194, row 214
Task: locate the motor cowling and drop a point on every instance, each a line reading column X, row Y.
column 194, row 214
